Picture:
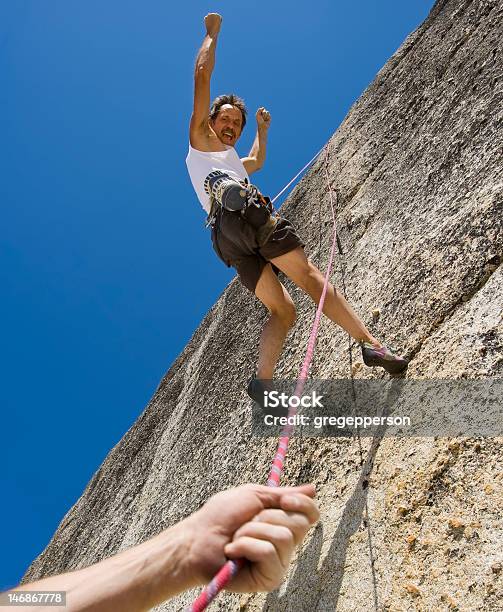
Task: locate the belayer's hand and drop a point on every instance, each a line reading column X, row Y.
column 263, row 117
column 212, row 21
column 261, row 524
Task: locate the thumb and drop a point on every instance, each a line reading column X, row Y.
column 271, row 496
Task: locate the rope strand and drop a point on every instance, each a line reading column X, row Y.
column 296, row 176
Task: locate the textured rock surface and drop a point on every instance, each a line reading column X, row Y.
column 417, row 168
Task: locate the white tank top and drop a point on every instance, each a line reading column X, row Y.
column 201, row 163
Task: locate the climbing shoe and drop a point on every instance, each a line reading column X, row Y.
column 384, row 357
column 256, row 390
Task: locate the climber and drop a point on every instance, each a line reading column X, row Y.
column 262, row 524
column 246, row 232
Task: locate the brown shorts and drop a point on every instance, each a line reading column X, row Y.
column 235, row 244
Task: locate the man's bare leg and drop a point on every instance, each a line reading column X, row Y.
column 282, row 317
column 307, row 276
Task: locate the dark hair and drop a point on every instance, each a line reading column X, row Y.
column 236, row 101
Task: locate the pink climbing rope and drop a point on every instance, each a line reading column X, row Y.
column 227, row 572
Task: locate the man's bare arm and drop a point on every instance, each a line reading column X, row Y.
column 256, row 157
column 205, row 62
column 261, row 524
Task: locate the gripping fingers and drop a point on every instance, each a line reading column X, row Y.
column 301, row 503
column 267, row 568
column 298, row 514
column 280, row 536
column 296, row 522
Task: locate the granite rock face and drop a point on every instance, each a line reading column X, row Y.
column 407, row 524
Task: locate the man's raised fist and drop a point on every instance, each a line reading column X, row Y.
column 212, row 21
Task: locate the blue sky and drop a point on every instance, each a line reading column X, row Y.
column 105, row 266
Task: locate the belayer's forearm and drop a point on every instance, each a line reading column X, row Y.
column 131, row 581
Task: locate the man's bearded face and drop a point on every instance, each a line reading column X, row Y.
column 228, row 124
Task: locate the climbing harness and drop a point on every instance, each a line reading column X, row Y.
column 227, row 192
column 232, row 567
column 229, row 196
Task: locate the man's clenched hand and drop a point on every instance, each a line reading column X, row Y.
column 263, row 117
column 212, row 21
column 262, row 524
